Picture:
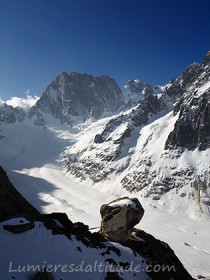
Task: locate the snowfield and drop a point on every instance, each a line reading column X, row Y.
column 73, row 259
column 31, row 157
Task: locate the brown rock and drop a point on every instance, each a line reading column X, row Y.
column 119, row 217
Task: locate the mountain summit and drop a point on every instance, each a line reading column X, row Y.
column 80, row 96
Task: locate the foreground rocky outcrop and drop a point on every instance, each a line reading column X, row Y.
column 71, row 251
column 11, row 201
column 147, row 258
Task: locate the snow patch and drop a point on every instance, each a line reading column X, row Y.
column 204, row 88
column 122, row 203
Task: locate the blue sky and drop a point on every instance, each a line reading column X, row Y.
column 151, row 40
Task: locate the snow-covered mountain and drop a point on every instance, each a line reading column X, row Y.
column 74, row 98
column 158, row 149
column 10, row 114
column 155, row 149
column 77, row 97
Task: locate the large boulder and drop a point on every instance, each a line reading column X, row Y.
column 119, row 217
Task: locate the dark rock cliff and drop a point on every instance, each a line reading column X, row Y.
column 192, row 129
column 11, row 201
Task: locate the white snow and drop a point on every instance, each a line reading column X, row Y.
column 136, row 237
column 123, row 202
column 30, row 156
column 178, row 230
column 204, row 88
column 22, row 254
column 92, row 85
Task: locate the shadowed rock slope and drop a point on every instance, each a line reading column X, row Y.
column 11, row 201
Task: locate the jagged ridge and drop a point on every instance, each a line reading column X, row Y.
column 148, row 149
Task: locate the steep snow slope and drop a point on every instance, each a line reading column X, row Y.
column 73, row 259
column 144, row 165
column 159, row 150
column 30, row 155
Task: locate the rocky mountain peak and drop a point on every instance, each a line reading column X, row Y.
column 9, row 114
column 187, row 77
column 139, row 87
column 207, row 59
column 189, row 72
column 193, row 125
column 80, row 96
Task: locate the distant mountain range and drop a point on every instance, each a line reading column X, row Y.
column 75, row 97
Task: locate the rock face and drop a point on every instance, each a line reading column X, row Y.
column 138, row 87
column 135, row 91
column 82, row 96
column 119, row 217
column 9, row 114
column 151, row 106
column 186, row 79
column 192, row 129
column 157, row 254
column 11, row 201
